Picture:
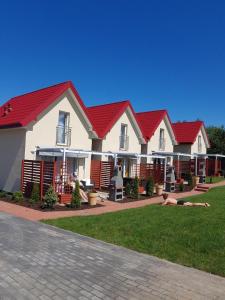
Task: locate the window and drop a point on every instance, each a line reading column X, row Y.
column 162, row 139
column 199, row 143
column 63, row 131
column 123, row 137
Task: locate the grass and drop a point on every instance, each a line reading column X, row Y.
column 215, row 179
column 191, row 236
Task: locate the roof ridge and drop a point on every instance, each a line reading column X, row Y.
column 182, row 122
column 148, row 111
column 105, row 104
column 38, row 90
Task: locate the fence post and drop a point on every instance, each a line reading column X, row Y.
column 41, row 178
column 54, row 175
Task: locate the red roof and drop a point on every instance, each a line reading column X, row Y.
column 186, row 132
column 103, row 117
column 150, row 121
column 21, row 110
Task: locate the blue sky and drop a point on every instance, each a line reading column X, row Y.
column 159, row 54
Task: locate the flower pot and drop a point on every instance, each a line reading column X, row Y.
column 196, row 180
column 92, row 198
column 159, row 189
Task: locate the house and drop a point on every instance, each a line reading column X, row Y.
column 158, row 132
column 191, row 137
column 118, row 131
column 50, row 118
column 193, row 143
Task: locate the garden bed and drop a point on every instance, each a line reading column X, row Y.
column 37, row 206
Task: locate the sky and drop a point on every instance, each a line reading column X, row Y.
column 156, row 53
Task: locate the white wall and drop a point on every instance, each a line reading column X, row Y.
column 43, row 132
column 12, row 149
column 194, row 147
column 111, row 141
column 153, row 144
column 183, row 148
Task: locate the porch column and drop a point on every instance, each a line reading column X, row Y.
column 196, row 165
column 63, row 168
column 115, row 160
column 216, row 166
column 178, row 166
column 165, row 160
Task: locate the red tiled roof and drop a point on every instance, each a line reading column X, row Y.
column 25, row 108
column 103, row 117
column 150, row 120
column 186, row 132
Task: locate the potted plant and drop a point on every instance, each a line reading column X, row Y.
column 196, row 180
column 159, row 189
column 92, row 197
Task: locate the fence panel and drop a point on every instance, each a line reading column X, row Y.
column 36, row 172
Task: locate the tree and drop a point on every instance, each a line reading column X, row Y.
column 76, row 199
column 150, row 186
column 217, row 139
column 50, row 198
column 135, row 191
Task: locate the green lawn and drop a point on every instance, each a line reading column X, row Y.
column 214, row 179
column 192, row 236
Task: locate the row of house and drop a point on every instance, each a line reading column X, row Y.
column 53, row 124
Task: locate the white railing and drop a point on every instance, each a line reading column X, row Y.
column 162, row 144
column 63, row 135
column 199, row 148
column 124, row 142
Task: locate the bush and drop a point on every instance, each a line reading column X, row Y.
column 18, row 196
column 128, row 189
column 50, row 198
column 2, row 194
column 76, row 199
column 35, row 194
column 190, row 180
column 150, row 186
column 181, row 187
column 135, row 193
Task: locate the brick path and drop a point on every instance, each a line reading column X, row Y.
column 107, row 206
column 38, row 261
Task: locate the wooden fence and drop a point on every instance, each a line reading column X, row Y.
column 101, row 173
column 37, row 172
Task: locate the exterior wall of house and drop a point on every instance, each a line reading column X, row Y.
column 183, row 148
column 111, row 141
column 153, row 144
column 43, row 132
column 12, row 152
column 194, row 147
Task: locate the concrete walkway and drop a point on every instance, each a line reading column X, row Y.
column 38, row 261
column 107, row 206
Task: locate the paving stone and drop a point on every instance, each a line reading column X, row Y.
column 39, row 262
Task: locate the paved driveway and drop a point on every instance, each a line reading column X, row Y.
column 40, row 262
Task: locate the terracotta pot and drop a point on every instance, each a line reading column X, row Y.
column 196, row 180
column 92, row 198
column 159, row 189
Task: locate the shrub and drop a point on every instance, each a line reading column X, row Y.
column 35, row 194
column 135, row 193
column 50, row 198
column 2, row 194
column 181, row 187
column 18, row 196
column 76, row 199
column 128, row 189
column 190, row 180
column 150, row 186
